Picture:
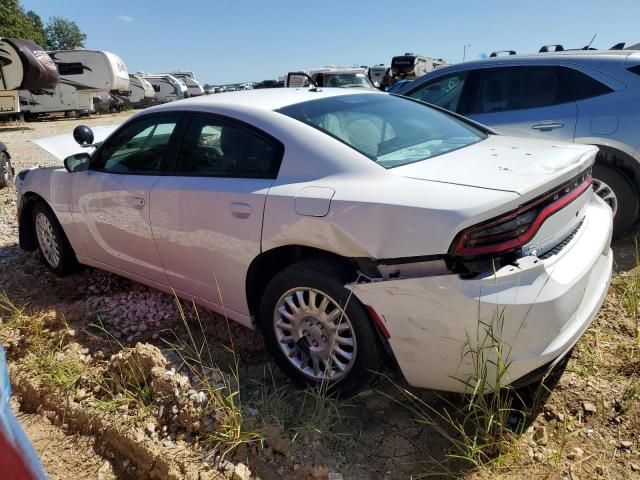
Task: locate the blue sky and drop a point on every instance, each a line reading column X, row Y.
column 226, row 41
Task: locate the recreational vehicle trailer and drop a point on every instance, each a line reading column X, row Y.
column 380, row 76
column 194, row 88
column 141, row 92
column 341, row 77
column 411, row 66
column 167, row 87
column 23, row 65
column 82, row 73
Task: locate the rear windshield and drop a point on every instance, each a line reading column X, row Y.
column 390, row 130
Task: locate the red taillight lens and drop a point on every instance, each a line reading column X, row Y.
column 511, row 231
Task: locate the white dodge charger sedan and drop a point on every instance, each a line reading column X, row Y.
column 347, row 226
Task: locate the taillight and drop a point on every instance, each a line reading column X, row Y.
column 511, row 231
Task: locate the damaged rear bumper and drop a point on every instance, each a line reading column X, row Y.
column 532, row 313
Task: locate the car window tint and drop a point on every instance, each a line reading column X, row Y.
column 583, row 86
column 444, row 92
column 517, row 88
column 218, row 147
column 140, row 147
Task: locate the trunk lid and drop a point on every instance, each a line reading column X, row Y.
column 62, row 146
column 524, row 166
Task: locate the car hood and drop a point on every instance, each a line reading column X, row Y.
column 522, row 166
column 61, row 146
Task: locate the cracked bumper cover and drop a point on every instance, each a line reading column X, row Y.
column 539, row 310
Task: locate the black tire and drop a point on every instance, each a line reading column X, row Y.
column 6, row 170
column 625, row 193
column 328, row 279
column 67, row 262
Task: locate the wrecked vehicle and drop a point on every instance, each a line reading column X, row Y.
column 343, row 224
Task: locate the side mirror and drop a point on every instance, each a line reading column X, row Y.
column 78, row 162
column 83, row 135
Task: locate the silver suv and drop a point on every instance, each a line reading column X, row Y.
column 590, row 97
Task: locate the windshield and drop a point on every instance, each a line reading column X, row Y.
column 390, row 130
column 346, row 80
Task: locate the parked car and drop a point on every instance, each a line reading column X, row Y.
column 18, row 460
column 585, row 97
column 341, row 223
column 6, row 169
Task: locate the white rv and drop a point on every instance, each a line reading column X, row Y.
column 194, row 88
column 141, row 92
column 380, row 75
column 82, row 73
column 411, row 66
column 167, row 87
column 341, row 77
column 23, row 65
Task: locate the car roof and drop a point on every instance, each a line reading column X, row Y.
column 264, row 98
column 567, row 55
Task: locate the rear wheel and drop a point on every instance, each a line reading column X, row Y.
column 618, row 192
column 55, row 250
column 318, row 333
column 6, row 170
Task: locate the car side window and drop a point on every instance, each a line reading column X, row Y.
column 444, row 91
column 140, row 147
column 220, row 147
column 517, row 88
column 583, row 86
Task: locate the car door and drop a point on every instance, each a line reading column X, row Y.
column 524, row 101
column 207, row 216
column 111, row 199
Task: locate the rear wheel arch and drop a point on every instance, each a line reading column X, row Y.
column 617, row 159
column 269, row 263
column 627, row 171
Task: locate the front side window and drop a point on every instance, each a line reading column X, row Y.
column 219, row 147
column 444, row 91
column 517, row 88
column 390, row 130
column 140, row 147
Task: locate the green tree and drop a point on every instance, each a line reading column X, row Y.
column 63, row 34
column 14, row 23
column 40, row 35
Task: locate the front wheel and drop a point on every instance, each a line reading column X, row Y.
column 317, row 331
column 55, row 250
column 618, row 192
column 6, row 170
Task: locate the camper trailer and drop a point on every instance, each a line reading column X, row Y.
column 141, row 92
column 194, row 88
column 341, row 77
column 411, row 66
column 23, row 66
column 167, row 87
column 380, row 75
column 82, row 73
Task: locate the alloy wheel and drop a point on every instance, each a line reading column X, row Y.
column 605, row 192
column 47, row 240
column 315, row 334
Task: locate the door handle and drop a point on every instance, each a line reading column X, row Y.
column 240, row 209
column 547, row 126
column 138, row 202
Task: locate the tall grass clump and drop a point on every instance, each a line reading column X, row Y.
column 221, row 385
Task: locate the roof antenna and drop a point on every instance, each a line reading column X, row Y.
column 589, row 46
